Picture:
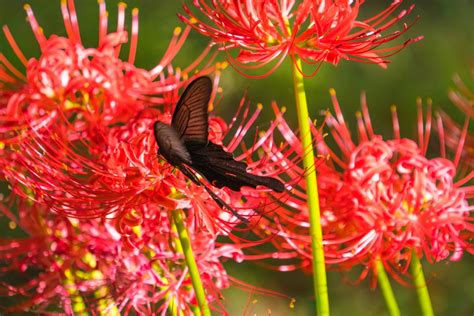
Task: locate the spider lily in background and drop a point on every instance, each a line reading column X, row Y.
column 454, row 133
column 265, row 31
column 86, row 266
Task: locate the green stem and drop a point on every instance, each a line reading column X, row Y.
column 78, row 305
column 386, row 290
column 191, row 262
column 420, row 284
column 319, row 268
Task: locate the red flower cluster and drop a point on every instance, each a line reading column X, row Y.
column 380, row 199
column 88, row 191
column 89, row 265
column 317, row 31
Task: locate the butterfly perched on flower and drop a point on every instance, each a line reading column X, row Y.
column 184, row 144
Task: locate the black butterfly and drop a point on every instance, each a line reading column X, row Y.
column 185, row 145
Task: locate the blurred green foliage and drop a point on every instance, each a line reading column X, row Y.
column 424, row 69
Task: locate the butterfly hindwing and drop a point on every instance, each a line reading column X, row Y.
column 190, row 118
column 222, row 170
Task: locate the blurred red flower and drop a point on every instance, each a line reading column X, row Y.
column 76, row 266
column 452, row 132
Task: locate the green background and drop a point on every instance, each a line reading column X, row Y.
column 422, row 70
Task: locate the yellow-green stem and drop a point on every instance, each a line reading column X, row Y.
column 420, row 284
column 386, row 289
column 319, row 268
column 191, row 262
column 78, row 305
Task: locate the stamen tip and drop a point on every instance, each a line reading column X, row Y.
column 177, row 30
column 292, row 302
column 332, row 91
column 12, row 225
column 222, row 65
column 259, row 106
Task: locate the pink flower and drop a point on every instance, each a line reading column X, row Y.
column 317, row 31
column 452, row 132
column 87, row 265
column 401, row 200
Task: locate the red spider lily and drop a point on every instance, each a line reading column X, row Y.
column 92, row 87
column 84, row 179
column 288, row 229
column 380, row 199
column 317, row 31
column 65, row 141
column 68, row 264
column 401, row 200
column 463, row 98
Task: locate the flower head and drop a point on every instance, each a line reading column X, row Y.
column 380, row 200
column 454, row 133
column 317, row 31
column 78, row 134
column 76, row 266
column 92, row 88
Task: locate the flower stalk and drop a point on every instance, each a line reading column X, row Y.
column 191, row 262
column 386, row 289
column 421, row 288
column 77, row 302
column 319, row 268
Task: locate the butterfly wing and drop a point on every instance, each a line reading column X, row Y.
column 221, row 169
column 190, row 118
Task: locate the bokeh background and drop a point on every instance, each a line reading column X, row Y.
column 424, row 69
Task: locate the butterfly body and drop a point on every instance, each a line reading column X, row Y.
column 170, row 145
column 184, row 144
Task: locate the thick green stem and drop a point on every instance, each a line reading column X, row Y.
column 386, row 290
column 191, row 263
column 420, row 284
column 319, row 268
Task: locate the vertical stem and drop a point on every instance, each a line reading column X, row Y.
column 78, row 305
column 319, row 268
column 420, row 284
column 191, row 262
column 386, row 290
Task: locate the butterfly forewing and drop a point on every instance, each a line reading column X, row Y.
column 190, row 118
